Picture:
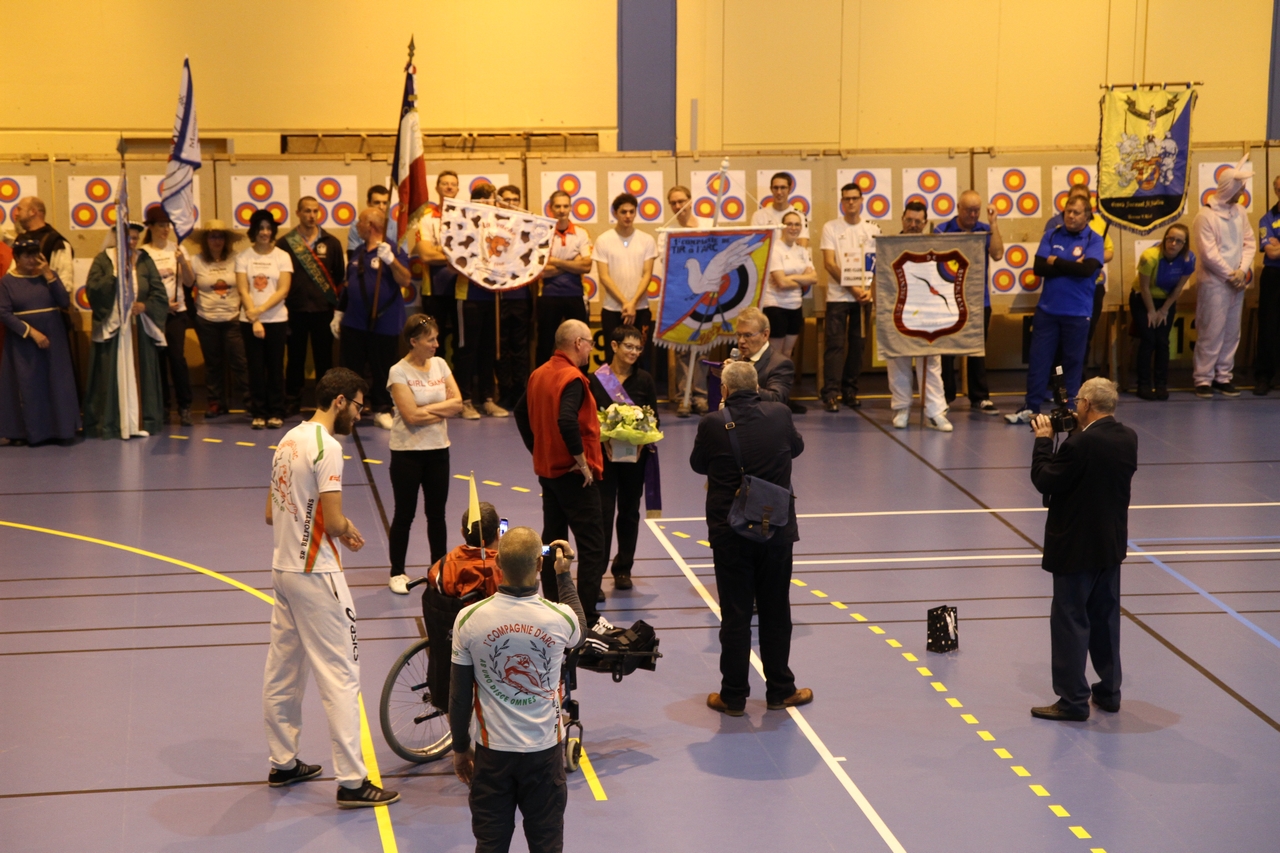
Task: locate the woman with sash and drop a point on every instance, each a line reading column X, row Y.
column 621, row 381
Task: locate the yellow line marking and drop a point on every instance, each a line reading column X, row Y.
column 245, row 444
column 372, row 461
column 924, row 670
column 798, row 582
column 519, row 489
column 839, row 604
column 589, row 773
column 1039, row 791
column 894, row 644
column 1020, row 770
column 910, row 656
column 681, row 535
column 1096, row 850
column 1003, row 753
column 461, row 477
column 180, row 437
column 1079, row 832
column 982, row 734
column 345, row 456
column 938, row 686
column 212, row 440
column 1059, row 811
column 876, row 629
column 385, row 831
column 366, row 738
column 704, row 542
column 818, row 593
column 491, row 483
column 858, row 616
column 273, row 447
column 971, row 720
column 954, row 702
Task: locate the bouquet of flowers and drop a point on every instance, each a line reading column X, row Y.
column 628, row 428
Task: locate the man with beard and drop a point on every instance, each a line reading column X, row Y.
column 313, row 621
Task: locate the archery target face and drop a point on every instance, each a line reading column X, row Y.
column 259, row 192
column 338, row 196
column 153, row 189
column 1014, row 274
column 1208, row 174
column 1065, row 177
column 801, row 191
column 14, row 188
column 935, row 186
column 706, row 185
column 877, row 196
column 89, row 198
column 580, row 184
column 648, row 187
column 1014, row 191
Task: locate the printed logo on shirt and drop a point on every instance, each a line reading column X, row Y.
column 517, row 667
column 221, row 288
column 334, row 478
column 260, row 282
column 321, row 250
column 1078, row 251
column 282, row 478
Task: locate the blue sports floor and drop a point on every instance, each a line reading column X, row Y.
column 131, row 679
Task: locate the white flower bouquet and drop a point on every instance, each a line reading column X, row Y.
column 628, row 428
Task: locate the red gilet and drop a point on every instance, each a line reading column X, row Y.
column 550, row 455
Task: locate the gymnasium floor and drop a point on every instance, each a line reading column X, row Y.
column 131, row 698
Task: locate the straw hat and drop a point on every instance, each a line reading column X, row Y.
column 215, row 225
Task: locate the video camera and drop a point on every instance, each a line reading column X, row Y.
column 1061, row 418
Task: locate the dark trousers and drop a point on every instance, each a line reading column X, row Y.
column 1153, row 344
column 266, row 369
column 842, row 358
column 610, row 320
column 531, row 781
column 377, row 353
column 1051, row 334
column 307, row 326
column 173, row 361
column 411, row 471
column 473, row 361
column 567, row 505
column 621, row 489
column 513, row 343
column 444, row 310
column 754, row 573
column 1267, row 362
column 552, row 311
column 978, row 389
column 1085, row 619
column 225, row 369
column 1099, row 292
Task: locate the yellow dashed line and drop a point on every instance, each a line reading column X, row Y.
column 924, row 670
column 798, row 582
column 1003, row 753
column 490, row 483
column 818, row 593
column 938, row 686
column 894, row 644
column 1079, row 832
column 876, row 629
column 987, row 736
column 910, row 656
column 954, row 702
column 372, row 461
column 519, row 489
column 840, row 604
column 345, row 456
column 858, row 616
column 681, row 535
column 1020, row 770
column 1039, row 791
column 461, row 477
column 1059, row 811
column 212, row 440
column 180, row 437
column 245, row 444
column 973, row 721
column 274, row 447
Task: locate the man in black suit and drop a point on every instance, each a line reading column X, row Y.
column 747, row 572
column 775, row 372
column 1086, row 488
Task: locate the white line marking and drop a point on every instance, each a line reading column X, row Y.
column 831, row 761
column 1003, row 510
column 1023, row 556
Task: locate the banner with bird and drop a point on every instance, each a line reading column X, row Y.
column 1142, row 156
column 708, row 277
column 928, row 294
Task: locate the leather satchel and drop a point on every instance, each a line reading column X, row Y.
column 759, row 507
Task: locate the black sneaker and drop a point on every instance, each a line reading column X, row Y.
column 1204, row 392
column 367, row 795
column 1147, row 394
column 1261, row 387
column 298, row 773
column 184, row 416
column 852, row 402
column 622, row 582
column 831, row 404
column 1226, row 389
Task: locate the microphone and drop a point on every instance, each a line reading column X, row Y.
column 735, row 353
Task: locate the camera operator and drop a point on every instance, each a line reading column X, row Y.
column 1085, row 483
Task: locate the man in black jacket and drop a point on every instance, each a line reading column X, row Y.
column 319, row 272
column 1086, row 488
column 749, row 572
column 775, row 372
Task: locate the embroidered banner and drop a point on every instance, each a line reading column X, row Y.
column 1142, row 157
column 928, row 291
column 496, row 248
column 709, row 277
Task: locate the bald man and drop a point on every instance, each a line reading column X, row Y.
column 29, row 218
column 557, row 421
column 968, row 221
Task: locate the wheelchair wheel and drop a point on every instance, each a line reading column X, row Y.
column 572, row 753
column 415, row 729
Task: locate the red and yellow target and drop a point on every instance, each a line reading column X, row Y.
column 1245, row 198
column 1029, row 280
column 717, row 184
column 635, row 184
column 654, row 288
column 82, row 299
column 943, row 205
column 409, row 293
column 865, row 181
column 278, row 212
column 329, row 189
column 98, row 190
column 9, row 190
column 570, row 184
column 1014, row 180
column 929, row 181
column 343, row 213
column 589, row 287
column 584, row 209
column 245, row 211
column 878, row 205
column 1003, row 280
column 1016, row 256
column 260, row 189
column 84, row 215
column 650, row 209
column 1078, row 177
column 417, row 268
column 109, row 215
column 1204, row 196
column 732, row 207
column 1060, row 201
column 1028, row 204
column 1217, row 173
column 481, row 179
column 800, row 203
column 323, row 217
column 916, row 197
column 705, row 207
column 1002, row 203
column 433, row 209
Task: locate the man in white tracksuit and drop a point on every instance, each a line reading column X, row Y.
column 1226, row 245
column 313, row 622
column 928, row 367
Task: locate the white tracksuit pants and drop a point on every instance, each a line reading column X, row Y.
column 313, row 630
column 929, row 371
column 1218, row 309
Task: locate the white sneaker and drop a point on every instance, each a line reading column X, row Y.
column 493, row 410
column 469, row 412
column 940, row 423
column 399, row 584
column 1022, row 417
column 383, row 419
column 900, row 418
column 602, row 625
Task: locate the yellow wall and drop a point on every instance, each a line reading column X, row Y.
column 262, row 68
column 939, row 73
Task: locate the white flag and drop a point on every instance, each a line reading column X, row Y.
column 177, row 191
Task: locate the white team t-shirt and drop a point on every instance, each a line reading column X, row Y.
column 517, row 645
column 264, row 279
column 217, row 299
column 428, row 386
column 166, row 261
column 791, row 260
column 855, row 248
column 769, row 215
column 308, row 461
column 626, row 264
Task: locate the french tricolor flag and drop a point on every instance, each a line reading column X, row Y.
column 409, row 167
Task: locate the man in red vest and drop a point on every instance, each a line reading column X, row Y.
column 557, row 420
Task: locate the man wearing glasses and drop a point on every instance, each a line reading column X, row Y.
column 557, row 421
column 781, row 186
column 775, row 372
column 849, row 257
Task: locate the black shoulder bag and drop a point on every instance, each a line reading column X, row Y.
column 759, row 508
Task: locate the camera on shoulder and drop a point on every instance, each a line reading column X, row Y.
column 1061, row 418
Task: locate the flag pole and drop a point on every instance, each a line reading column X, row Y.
column 395, row 179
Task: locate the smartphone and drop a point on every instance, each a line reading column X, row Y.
column 546, row 549
column 502, row 527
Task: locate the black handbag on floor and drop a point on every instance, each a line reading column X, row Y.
column 944, row 630
column 759, row 508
